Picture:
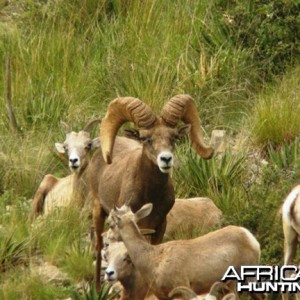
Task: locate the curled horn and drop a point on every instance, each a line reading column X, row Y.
column 184, row 292
column 90, row 125
column 217, row 287
column 182, row 107
column 66, row 127
column 119, row 111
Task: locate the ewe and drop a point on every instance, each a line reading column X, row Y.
column 196, row 263
column 54, row 192
column 291, row 224
column 291, row 227
column 141, row 175
column 192, row 213
column 185, row 215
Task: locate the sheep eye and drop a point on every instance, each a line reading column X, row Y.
column 88, row 147
column 127, row 259
column 65, row 147
column 147, row 140
column 173, row 139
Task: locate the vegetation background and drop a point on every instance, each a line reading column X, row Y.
column 239, row 59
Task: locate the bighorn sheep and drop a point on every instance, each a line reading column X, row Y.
column 186, row 214
column 291, row 226
column 53, row 191
column 218, row 288
column 141, row 175
column 192, row 213
column 120, row 268
column 134, row 286
column 196, row 263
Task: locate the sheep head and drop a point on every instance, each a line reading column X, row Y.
column 158, row 134
column 77, row 145
column 112, row 234
column 119, row 265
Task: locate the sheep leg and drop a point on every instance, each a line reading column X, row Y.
column 157, row 237
column 290, row 244
column 290, row 247
column 48, row 182
column 99, row 219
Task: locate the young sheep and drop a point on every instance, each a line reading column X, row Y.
column 196, row 263
column 134, row 286
column 186, row 214
column 54, row 192
column 120, row 268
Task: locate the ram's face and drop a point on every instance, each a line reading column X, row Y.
column 159, row 143
column 77, row 146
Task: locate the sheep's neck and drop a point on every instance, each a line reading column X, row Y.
column 132, row 287
column 140, row 251
column 79, row 184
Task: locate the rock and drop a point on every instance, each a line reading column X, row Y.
column 50, row 273
column 218, row 140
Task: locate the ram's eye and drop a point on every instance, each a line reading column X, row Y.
column 146, row 140
column 173, row 139
column 65, row 147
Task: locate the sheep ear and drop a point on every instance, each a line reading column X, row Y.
column 95, row 143
column 146, row 231
column 143, row 212
column 60, row 148
column 116, row 219
column 184, row 129
column 132, row 133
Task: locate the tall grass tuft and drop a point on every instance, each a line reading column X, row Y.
column 275, row 118
column 50, row 236
column 78, row 261
column 220, row 178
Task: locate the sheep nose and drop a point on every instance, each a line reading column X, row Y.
column 109, row 273
column 167, row 157
column 73, row 161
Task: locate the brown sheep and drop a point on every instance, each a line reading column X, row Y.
column 192, row 213
column 54, row 192
column 141, row 175
column 196, row 263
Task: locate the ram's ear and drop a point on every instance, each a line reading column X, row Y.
column 143, row 212
column 184, row 129
column 132, row 133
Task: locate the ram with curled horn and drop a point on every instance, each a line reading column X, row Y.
column 57, row 192
column 141, row 174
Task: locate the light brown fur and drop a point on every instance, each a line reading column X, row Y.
column 192, row 213
column 291, row 227
column 196, row 263
column 141, row 175
column 55, row 192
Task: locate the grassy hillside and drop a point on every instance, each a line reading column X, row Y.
column 238, row 59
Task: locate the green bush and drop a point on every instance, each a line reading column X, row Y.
column 270, row 29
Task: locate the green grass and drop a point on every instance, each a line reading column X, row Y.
column 274, row 120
